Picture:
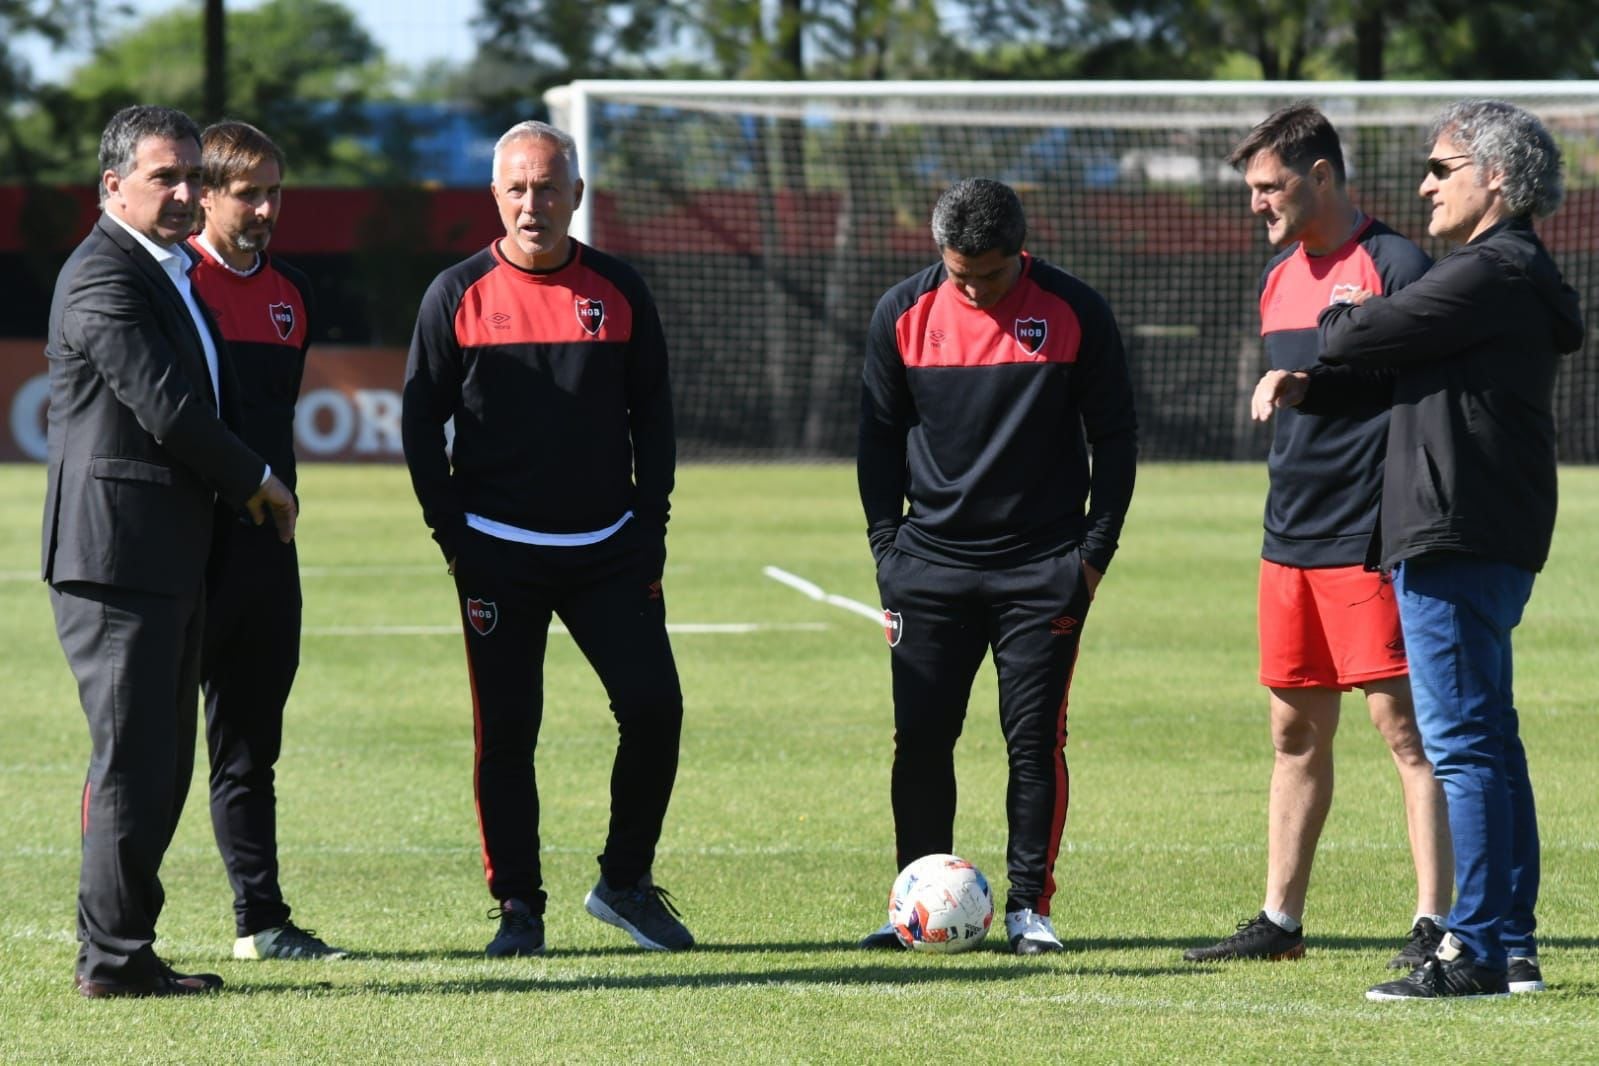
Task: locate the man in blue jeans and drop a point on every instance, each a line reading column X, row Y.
column 1468, row 510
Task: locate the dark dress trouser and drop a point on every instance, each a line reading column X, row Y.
column 136, row 658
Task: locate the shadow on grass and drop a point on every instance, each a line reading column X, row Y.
column 625, row 948
column 533, row 982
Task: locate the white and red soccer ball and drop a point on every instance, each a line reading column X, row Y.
column 940, row 903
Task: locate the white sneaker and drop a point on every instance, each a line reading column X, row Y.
column 1030, row 933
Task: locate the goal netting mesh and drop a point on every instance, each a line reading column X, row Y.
column 769, row 219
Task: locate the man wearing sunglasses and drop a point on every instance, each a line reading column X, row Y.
column 1327, row 625
column 1468, row 510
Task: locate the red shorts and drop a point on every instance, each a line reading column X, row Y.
column 1332, row 628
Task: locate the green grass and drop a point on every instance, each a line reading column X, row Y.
column 779, row 842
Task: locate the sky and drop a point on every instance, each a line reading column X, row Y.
column 409, row 31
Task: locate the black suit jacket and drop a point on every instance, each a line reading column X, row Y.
column 138, row 450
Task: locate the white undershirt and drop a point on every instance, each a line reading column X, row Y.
column 175, row 264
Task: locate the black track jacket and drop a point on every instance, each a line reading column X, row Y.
column 557, row 381
column 1471, row 439
column 985, row 420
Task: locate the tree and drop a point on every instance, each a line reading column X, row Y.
column 300, row 69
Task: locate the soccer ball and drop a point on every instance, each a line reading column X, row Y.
column 940, row 903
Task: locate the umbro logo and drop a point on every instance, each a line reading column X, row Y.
column 499, row 320
column 1064, row 626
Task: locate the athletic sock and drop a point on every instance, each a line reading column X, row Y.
column 1279, row 918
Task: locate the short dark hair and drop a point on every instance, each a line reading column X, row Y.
column 119, row 144
column 1298, row 135
column 1502, row 137
column 231, row 149
column 977, row 216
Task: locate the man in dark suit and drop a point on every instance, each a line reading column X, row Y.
column 139, row 452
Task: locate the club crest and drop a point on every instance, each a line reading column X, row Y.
column 590, row 315
column 1031, row 333
column 282, row 319
column 893, row 627
column 482, row 616
column 1343, row 294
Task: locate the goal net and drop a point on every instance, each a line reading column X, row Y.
column 769, row 217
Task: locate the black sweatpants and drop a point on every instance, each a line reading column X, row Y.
column 250, row 656
column 940, row 621
column 608, row 595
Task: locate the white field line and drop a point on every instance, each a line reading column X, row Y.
column 816, row 592
column 671, row 627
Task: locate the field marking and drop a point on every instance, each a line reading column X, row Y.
column 735, row 628
column 817, row 593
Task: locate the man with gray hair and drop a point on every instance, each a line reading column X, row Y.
column 991, row 378
column 553, row 500
column 1468, row 510
column 143, row 412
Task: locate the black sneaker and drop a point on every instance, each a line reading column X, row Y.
column 644, row 912
column 1257, row 938
column 885, row 939
column 1423, row 941
column 521, row 931
column 1457, row 978
column 1524, row 974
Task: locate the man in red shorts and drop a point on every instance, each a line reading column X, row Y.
column 1327, row 624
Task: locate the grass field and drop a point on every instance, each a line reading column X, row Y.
column 779, row 842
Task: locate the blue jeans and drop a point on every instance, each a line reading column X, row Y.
column 1457, row 613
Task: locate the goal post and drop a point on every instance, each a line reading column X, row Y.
column 768, row 217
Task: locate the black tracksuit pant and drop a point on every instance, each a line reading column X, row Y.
column 940, row 621
column 251, row 653
column 608, row 595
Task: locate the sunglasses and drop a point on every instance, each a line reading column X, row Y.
column 1440, row 169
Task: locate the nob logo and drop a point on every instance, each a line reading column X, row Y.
column 482, row 616
column 1030, row 333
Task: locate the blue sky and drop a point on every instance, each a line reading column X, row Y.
column 409, row 31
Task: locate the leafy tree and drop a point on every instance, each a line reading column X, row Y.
column 300, row 69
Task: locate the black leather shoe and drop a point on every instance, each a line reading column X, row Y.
column 166, row 983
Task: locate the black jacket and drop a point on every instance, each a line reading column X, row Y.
column 138, row 449
column 1471, row 439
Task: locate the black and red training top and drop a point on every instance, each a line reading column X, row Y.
column 557, row 381
column 265, row 317
column 985, row 419
column 1326, row 459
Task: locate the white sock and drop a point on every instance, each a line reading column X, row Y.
column 1285, row 921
